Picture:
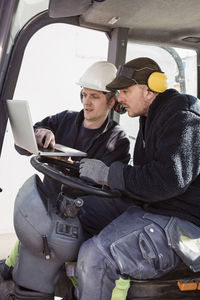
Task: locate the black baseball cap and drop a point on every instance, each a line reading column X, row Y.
column 136, row 71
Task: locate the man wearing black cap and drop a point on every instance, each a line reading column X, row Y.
column 160, row 224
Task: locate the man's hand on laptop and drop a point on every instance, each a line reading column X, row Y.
column 45, row 138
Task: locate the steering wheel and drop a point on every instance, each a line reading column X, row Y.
column 47, row 166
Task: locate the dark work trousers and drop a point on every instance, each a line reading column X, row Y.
column 126, row 242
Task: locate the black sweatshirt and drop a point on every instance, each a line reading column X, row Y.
column 165, row 177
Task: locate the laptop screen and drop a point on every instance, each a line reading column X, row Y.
column 23, row 132
column 21, row 124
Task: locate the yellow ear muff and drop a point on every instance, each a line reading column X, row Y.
column 157, row 82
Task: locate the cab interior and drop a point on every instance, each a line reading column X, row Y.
column 167, row 31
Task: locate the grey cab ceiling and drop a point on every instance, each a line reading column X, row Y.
column 169, row 22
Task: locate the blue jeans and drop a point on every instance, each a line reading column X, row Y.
column 134, row 244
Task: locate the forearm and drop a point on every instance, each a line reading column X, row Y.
column 156, row 180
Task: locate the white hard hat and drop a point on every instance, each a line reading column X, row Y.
column 98, row 75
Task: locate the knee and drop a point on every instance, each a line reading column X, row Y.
column 90, row 258
column 88, row 253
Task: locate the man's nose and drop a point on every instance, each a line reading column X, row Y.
column 86, row 100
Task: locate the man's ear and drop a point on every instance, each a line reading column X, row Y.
column 112, row 102
column 150, row 96
column 81, row 95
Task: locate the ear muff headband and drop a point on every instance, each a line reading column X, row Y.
column 157, row 82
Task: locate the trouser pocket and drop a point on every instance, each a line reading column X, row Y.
column 144, row 253
column 184, row 237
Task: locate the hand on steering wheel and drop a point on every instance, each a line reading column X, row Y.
column 48, row 166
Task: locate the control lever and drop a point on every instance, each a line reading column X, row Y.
column 67, row 206
column 73, row 208
column 47, row 251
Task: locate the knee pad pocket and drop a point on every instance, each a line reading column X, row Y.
column 144, row 253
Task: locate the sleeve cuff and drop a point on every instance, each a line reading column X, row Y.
column 116, row 176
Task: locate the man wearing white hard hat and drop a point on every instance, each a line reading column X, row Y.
column 91, row 130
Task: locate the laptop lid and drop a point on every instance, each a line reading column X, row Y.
column 22, row 128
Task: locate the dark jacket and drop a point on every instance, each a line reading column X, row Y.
column 109, row 144
column 165, row 177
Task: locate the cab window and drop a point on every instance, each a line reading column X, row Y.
column 54, row 59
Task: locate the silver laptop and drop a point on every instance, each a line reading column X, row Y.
column 23, row 132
